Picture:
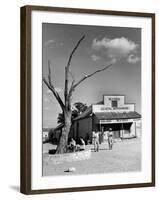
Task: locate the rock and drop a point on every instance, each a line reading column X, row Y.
column 71, row 169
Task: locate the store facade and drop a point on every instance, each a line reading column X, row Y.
column 112, row 113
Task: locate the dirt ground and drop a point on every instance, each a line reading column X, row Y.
column 124, row 157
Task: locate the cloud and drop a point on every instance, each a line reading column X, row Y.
column 114, row 49
column 49, row 42
column 95, row 57
column 133, row 59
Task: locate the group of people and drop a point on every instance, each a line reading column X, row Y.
column 96, row 139
column 72, row 147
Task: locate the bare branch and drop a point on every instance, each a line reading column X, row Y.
column 71, row 89
column 52, row 88
column 89, row 75
column 49, row 74
column 67, row 69
column 72, row 76
column 73, row 51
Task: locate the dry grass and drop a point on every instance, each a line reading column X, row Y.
column 124, row 157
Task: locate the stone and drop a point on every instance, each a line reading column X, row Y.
column 72, row 169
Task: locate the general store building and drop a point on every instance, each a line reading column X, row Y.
column 113, row 112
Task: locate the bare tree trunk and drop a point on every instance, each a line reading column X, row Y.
column 62, row 146
column 66, row 106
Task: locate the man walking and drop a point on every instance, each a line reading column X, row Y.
column 110, row 139
column 96, row 140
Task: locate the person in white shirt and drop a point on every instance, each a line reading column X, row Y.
column 82, row 144
column 110, row 138
column 96, row 140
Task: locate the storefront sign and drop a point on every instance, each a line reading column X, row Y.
column 115, row 108
column 103, row 121
column 103, row 108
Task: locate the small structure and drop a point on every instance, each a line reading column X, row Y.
column 45, row 134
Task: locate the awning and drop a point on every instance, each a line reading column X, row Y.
column 116, row 116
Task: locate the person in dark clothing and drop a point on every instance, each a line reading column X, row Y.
column 72, row 145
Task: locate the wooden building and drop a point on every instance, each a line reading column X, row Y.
column 112, row 113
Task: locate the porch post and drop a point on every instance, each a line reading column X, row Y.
column 122, row 129
column 135, row 130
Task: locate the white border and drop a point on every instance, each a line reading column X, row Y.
column 39, row 182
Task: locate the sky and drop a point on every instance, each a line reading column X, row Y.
column 101, row 46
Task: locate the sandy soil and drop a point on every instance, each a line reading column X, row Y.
column 124, row 157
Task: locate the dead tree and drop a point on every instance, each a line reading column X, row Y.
column 68, row 92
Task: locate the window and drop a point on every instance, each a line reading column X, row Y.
column 114, row 103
